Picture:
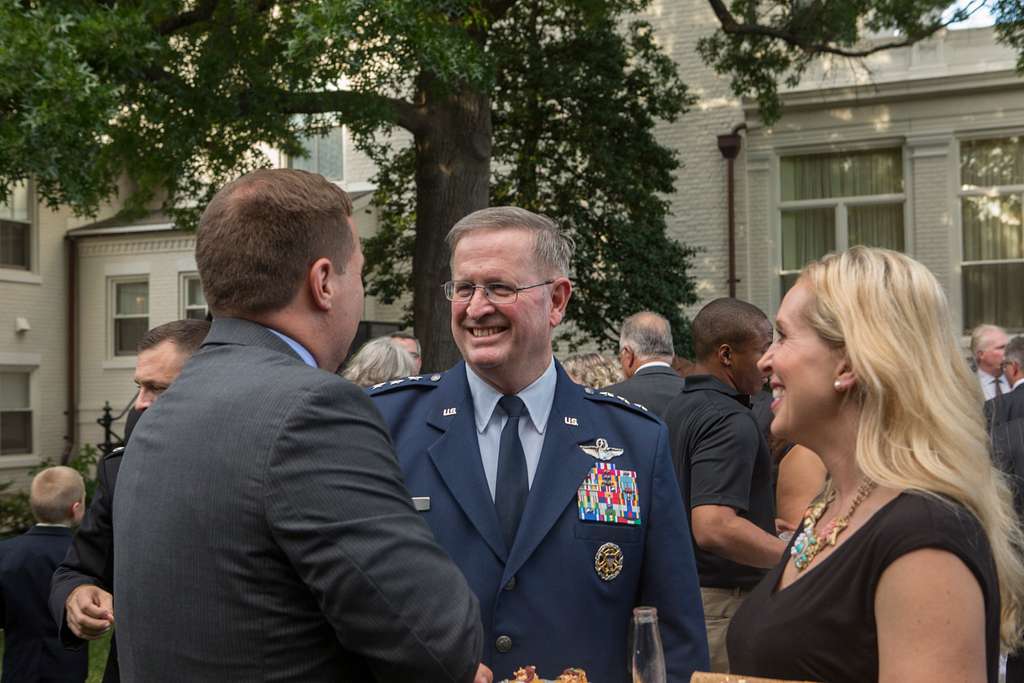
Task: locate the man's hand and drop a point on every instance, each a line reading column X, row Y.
column 483, row 674
column 90, row 611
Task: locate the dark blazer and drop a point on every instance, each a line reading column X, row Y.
column 90, row 558
column 1009, row 406
column 263, row 533
column 652, row 388
column 543, row 600
column 32, row 650
column 1008, row 453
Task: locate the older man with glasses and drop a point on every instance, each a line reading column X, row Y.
column 558, row 503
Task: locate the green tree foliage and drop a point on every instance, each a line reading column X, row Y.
column 762, row 43
column 576, row 97
column 182, row 95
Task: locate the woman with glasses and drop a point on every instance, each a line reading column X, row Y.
column 908, row 566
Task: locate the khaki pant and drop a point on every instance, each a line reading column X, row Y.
column 719, row 606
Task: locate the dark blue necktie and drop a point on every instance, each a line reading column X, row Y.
column 512, row 486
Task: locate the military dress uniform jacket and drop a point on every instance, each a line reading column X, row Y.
column 543, row 601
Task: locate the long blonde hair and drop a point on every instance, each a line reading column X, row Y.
column 921, row 426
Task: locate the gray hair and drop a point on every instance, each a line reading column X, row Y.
column 552, row 250
column 980, row 336
column 1015, row 351
column 378, row 361
column 647, row 334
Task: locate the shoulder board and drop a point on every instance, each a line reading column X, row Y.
column 615, row 399
column 420, row 381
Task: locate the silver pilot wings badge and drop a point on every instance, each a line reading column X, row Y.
column 601, row 451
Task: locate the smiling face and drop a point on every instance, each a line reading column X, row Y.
column 508, row 345
column 803, row 370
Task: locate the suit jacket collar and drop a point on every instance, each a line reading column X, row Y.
column 656, row 370
column 246, row 333
column 563, row 465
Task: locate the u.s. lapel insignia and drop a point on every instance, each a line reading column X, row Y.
column 608, row 561
column 572, row 422
column 601, row 450
column 448, row 412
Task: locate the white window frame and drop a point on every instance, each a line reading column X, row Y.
column 183, row 305
column 113, row 315
column 28, row 457
column 18, row 273
column 993, row 191
column 840, row 205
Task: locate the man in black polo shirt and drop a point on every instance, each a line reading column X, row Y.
column 723, row 463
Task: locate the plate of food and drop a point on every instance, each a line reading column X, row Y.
column 528, row 674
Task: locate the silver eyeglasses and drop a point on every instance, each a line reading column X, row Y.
column 461, row 291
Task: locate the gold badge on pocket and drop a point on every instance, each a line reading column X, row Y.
column 608, row 561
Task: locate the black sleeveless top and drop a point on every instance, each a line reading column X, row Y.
column 822, row 626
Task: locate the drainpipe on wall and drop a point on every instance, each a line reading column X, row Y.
column 729, row 145
column 72, row 297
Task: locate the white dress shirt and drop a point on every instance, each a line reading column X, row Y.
column 988, row 384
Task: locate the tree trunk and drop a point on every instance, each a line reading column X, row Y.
column 453, row 172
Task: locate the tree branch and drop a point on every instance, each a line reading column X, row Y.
column 732, row 27
column 204, row 11
column 341, row 102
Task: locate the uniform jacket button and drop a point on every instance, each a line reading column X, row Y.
column 503, row 644
column 511, row 585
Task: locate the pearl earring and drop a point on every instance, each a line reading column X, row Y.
column 838, row 385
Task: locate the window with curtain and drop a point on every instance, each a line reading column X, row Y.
column 326, row 155
column 15, row 412
column 992, row 222
column 130, row 314
column 16, row 230
column 833, row 201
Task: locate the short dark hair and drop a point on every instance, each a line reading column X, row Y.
column 187, row 335
column 725, row 321
column 260, row 234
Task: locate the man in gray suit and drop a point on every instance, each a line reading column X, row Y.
column 646, row 352
column 263, row 531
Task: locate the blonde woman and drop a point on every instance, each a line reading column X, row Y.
column 908, row 566
column 378, row 360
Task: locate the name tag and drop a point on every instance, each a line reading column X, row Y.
column 421, row 503
column 609, row 495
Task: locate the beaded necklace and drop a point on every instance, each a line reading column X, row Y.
column 808, row 544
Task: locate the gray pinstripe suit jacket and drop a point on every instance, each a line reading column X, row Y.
column 264, row 533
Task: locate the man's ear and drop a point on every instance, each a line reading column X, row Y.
column 724, row 355
column 561, row 291
column 321, row 284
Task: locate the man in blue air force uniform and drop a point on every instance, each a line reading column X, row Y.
column 558, row 503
